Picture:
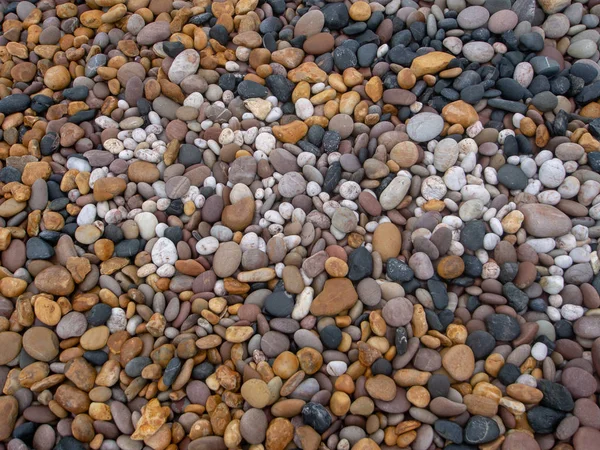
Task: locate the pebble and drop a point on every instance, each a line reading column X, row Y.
column 344, row 225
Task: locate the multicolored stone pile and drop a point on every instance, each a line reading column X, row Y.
column 342, row 225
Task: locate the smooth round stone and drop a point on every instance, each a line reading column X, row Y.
column 274, row 343
column 580, row 383
column 438, row 385
column 512, row 177
column 582, row 49
column 343, row 124
column 480, row 430
column 73, row 324
column 473, row 17
column 397, row 312
column 310, row 23
column 253, row 426
column 502, row 21
column 279, row 304
column 331, row 337
column 11, row 345
column 425, row 126
column 556, row 26
column 482, row 343
column 41, row 343
column 177, row 187
column 480, row 52
column 449, row 430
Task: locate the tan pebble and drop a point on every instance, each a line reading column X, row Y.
column 208, row 342
column 352, row 77
column 307, row 71
column 460, row 112
column 430, row 63
column 405, row 439
column 288, row 408
column 285, row 365
column 418, row 321
column 309, row 438
column 82, row 428
column 238, row 334
column 406, row 154
column 12, row 287
column 340, row 403
column 153, row 417
column 493, row 364
column 95, row 338
column 335, row 267
column 41, row 343
column 100, row 411
column 33, row 373
column 406, row 78
column 411, row 377
column 310, row 360
column 338, row 295
column 381, row 387
column 524, row 393
column 362, row 406
column 72, row 399
column 457, row 333
column 374, row 88
column 366, row 444
column 418, row 396
column 256, row 393
column 387, row 241
column 57, row 78
column 232, row 436
column 527, row 126
column 515, row 407
column 450, row 267
column 486, row 389
column 511, row 223
column 360, row 11
column 479, row 405
column 279, row 434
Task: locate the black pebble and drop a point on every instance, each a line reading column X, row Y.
column 220, row 34
column 173, row 49
column 202, row 371
column 508, row 374
column 331, row 336
column 480, row 430
column 382, row 366
column 316, row 416
column 360, row 264
column 38, row 249
column 399, row 271
column 279, row 304
column 69, row 443
column 449, row 430
column 438, row 385
column 336, row 15
column 556, row 396
column 99, row 314
column 135, row 366
column 472, row 235
column 544, row 420
column 14, row 103
column 401, row 340
column 482, row 343
column 503, row 327
column 96, row 357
